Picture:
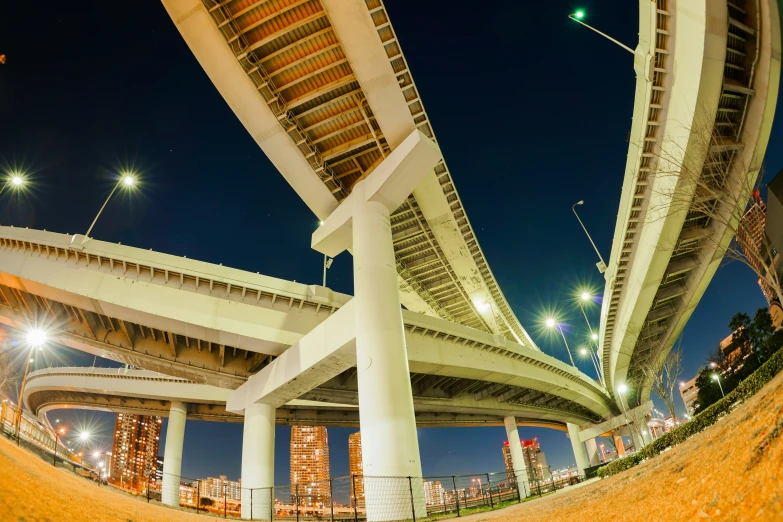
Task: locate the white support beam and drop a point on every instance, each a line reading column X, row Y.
column 389, row 184
column 322, row 354
column 615, row 422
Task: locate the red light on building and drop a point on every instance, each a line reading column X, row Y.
column 506, row 443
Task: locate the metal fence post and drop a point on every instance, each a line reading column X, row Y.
column 456, row 493
column 225, row 502
column 413, row 504
column 353, row 489
column 489, row 490
column 331, row 500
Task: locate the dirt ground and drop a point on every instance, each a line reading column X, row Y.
column 32, row 490
column 732, row 471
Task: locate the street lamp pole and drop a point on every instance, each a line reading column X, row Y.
column 717, row 379
column 621, row 390
column 21, row 394
column 602, row 265
column 595, row 364
column 35, row 338
column 559, row 327
column 327, row 265
column 127, row 180
column 582, row 299
column 577, row 16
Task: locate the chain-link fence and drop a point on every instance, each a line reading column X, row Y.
column 360, row 497
column 196, row 495
column 26, row 429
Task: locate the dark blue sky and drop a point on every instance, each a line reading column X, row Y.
column 532, row 113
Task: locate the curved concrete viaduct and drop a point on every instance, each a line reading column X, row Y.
column 216, row 326
column 324, row 89
column 123, row 390
column 707, row 84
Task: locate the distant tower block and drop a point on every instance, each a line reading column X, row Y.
column 310, row 465
column 134, row 452
column 355, row 468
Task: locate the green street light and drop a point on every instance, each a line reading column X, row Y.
column 577, row 17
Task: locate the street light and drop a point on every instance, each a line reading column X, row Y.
column 327, row 265
column 14, row 181
column 601, row 265
column 57, row 434
column 577, row 17
column 127, row 180
column 621, row 389
column 586, row 351
column 586, row 297
column 717, row 379
column 35, row 338
column 551, row 323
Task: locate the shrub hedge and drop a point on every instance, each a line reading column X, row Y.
column 703, row 420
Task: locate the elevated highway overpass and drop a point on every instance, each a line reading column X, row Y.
column 213, row 325
column 707, row 84
column 143, row 392
column 324, row 89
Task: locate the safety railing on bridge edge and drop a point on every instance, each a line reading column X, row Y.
column 37, row 436
column 343, row 499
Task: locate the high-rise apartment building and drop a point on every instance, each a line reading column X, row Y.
column 310, row 465
column 434, row 493
column 134, row 453
column 355, row 468
column 535, row 460
column 774, row 231
column 750, row 237
column 689, row 392
column 219, row 488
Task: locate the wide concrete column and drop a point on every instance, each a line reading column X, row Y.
column 646, row 434
column 517, row 456
column 592, row 452
column 618, row 442
column 258, row 462
column 390, row 447
column 636, row 436
column 172, row 454
column 579, row 448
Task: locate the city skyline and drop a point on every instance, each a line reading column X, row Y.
column 168, row 163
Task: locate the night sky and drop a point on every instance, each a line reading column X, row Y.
column 532, row 113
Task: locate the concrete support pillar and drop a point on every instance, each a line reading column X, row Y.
column 592, row 452
column 646, row 434
column 636, row 436
column 390, row 446
column 579, row 448
column 172, row 454
column 517, row 456
column 618, row 442
column 258, row 462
